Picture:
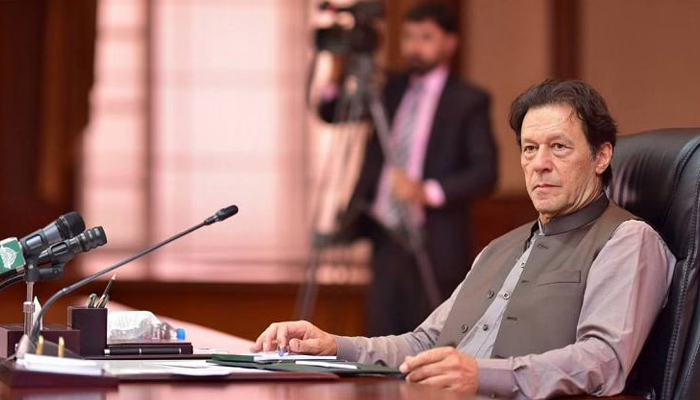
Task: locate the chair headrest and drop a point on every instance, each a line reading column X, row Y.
column 655, row 176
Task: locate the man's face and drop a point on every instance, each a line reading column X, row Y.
column 561, row 174
column 424, row 45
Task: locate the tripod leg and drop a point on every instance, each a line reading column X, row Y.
column 308, row 291
column 416, row 234
column 427, row 272
column 306, row 297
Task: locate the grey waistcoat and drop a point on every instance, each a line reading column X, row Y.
column 544, row 308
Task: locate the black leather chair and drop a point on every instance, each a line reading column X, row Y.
column 656, row 175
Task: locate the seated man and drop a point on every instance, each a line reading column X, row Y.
column 559, row 306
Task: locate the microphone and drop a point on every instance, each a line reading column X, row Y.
column 221, row 215
column 57, row 255
column 64, row 227
column 62, row 252
column 29, row 341
column 17, row 253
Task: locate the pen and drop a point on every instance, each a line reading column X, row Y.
column 91, row 300
column 105, row 295
column 142, row 351
column 103, row 301
column 40, row 346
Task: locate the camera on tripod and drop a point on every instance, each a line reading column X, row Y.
column 362, row 38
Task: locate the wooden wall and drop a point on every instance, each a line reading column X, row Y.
column 46, row 64
column 641, row 56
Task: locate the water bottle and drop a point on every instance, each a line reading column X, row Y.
column 165, row 331
column 140, row 325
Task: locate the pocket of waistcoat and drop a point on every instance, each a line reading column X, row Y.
column 559, row 277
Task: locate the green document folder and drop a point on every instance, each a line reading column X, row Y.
column 244, row 361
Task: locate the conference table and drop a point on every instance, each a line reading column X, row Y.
column 347, row 388
column 344, row 388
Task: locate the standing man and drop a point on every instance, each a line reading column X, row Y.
column 562, row 305
column 441, row 137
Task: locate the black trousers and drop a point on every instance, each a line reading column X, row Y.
column 397, row 302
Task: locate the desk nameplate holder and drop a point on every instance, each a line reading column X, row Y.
column 10, row 334
column 17, row 376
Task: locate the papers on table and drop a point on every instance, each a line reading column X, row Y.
column 60, row 365
column 274, row 356
column 208, row 350
column 326, row 364
column 200, row 368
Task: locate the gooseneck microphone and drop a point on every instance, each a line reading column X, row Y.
column 220, row 215
column 30, row 340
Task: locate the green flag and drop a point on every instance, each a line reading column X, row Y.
column 12, row 255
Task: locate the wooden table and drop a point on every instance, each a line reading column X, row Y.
column 347, row 388
column 344, row 389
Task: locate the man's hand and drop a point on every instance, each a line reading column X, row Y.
column 299, row 336
column 405, row 188
column 444, row 367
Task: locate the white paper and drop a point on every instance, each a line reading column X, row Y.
column 201, row 368
column 274, row 356
column 193, row 364
column 207, row 350
column 326, row 364
column 218, row 371
column 60, row 365
column 174, row 367
column 60, row 361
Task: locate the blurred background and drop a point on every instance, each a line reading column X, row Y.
column 147, row 116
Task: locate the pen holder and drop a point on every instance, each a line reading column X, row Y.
column 92, row 324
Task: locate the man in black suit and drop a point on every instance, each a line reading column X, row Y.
column 442, row 141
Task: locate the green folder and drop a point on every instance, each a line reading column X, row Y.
column 242, row 361
column 251, row 358
column 233, row 357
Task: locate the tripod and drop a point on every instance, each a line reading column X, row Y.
column 360, row 98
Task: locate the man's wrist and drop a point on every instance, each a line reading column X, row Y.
column 433, row 194
column 345, row 348
column 495, row 377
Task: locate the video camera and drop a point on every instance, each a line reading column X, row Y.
column 362, row 38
